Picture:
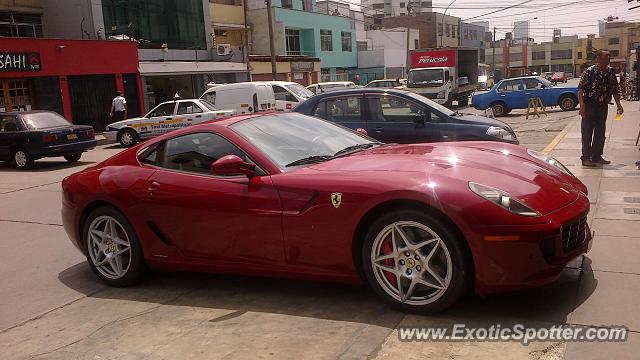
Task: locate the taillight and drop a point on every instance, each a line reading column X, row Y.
column 91, row 134
column 49, row 138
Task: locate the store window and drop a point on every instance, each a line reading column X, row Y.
column 326, row 43
column 16, row 95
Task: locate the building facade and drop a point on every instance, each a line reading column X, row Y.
column 21, row 18
column 436, row 29
column 379, row 9
column 301, row 31
column 521, row 30
column 386, row 56
column 230, row 30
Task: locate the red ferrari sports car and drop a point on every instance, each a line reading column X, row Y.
column 289, row 195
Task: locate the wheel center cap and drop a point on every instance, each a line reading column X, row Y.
column 111, row 246
column 410, row 263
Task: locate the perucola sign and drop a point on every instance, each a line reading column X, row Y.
column 12, row 61
column 435, row 58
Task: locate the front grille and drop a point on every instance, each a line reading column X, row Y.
column 430, row 96
column 574, row 234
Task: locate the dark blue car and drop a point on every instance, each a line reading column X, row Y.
column 515, row 93
column 398, row 116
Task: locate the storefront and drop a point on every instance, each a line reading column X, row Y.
column 304, row 71
column 76, row 78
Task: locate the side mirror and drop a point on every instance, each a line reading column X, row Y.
column 232, row 165
column 362, row 131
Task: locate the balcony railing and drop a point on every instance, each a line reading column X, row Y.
column 300, row 53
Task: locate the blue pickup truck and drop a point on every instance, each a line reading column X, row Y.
column 515, row 93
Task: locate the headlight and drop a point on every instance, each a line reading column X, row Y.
column 442, row 94
column 503, row 200
column 501, row 133
column 549, row 160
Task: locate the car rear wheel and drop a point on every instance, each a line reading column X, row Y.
column 127, row 137
column 113, row 250
column 414, row 261
column 22, row 159
column 499, row 109
column 568, row 102
column 72, row 157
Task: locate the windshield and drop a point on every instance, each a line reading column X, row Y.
column 286, row 138
column 429, row 77
column 208, row 105
column 431, row 103
column 299, row 91
column 546, row 82
column 44, row 120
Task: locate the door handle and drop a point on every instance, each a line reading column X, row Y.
column 153, row 186
column 168, row 118
column 198, row 116
column 527, row 93
column 379, row 129
column 503, row 95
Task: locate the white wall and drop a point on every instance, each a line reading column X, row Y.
column 393, row 42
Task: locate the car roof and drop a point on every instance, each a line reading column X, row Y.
column 334, row 83
column 26, row 112
column 362, row 90
column 381, row 80
column 238, row 85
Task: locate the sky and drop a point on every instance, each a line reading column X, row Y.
column 571, row 16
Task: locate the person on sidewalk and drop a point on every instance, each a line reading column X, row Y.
column 118, row 107
column 597, row 85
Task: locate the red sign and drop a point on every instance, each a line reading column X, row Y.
column 435, row 58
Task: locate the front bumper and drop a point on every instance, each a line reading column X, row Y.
column 110, row 135
column 64, row 149
column 538, row 255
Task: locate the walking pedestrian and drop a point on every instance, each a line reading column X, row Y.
column 118, row 107
column 597, row 85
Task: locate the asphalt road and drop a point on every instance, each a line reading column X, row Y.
column 54, row 307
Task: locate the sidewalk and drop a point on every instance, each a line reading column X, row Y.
column 609, row 283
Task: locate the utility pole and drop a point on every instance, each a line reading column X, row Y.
column 245, row 37
column 493, row 56
column 272, row 44
column 408, row 60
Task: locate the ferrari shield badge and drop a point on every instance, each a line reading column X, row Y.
column 336, row 199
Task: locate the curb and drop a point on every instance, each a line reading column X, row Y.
column 552, row 145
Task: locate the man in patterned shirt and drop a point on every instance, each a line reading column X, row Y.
column 597, row 85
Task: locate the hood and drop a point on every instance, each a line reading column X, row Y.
column 455, row 163
column 126, row 122
column 477, row 119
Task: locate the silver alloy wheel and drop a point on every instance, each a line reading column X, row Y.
column 109, row 247
column 411, row 263
column 20, row 158
column 126, row 138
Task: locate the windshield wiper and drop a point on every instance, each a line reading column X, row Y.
column 309, row 160
column 354, row 148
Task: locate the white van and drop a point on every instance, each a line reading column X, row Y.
column 289, row 94
column 331, row 86
column 244, row 97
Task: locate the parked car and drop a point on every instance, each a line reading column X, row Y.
column 420, row 223
column 330, row 86
column 515, row 93
column 399, row 116
column 289, row 94
column 547, row 75
column 559, row 77
column 31, row 135
column 384, row 83
column 167, row 116
column 244, row 97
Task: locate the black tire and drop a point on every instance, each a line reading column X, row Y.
column 458, row 255
column 22, row 159
column 128, row 137
column 136, row 269
column 499, row 109
column 568, row 102
column 73, row 157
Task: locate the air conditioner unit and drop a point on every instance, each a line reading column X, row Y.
column 223, row 49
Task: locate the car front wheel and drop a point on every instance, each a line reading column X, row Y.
column 127, row 137
column 414, row 262
column 22, row 159
column 72, row 157
column 113, row 249
column 499, row 109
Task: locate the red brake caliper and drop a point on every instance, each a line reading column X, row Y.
column 387, row 248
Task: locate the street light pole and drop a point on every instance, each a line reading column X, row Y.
column 442, row 22
column 272, row 44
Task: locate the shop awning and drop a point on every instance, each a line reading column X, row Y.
column 148, row 68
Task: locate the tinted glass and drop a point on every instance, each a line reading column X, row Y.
column 194, row 153
column 44, row 120
column 209, row 97
column 163, row 110
column 9, row 123
column 286, row 138
column 343, row 109
column 428, row 77
column 299, row 90
column 393, row 109
column 282, row 94
column 430, row 103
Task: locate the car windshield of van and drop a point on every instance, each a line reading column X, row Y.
column 426, row 77
column 208, row 105
column 299, row 91
column 44, row 120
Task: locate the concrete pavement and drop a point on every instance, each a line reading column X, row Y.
column 55, row 308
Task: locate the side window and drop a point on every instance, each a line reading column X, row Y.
column 151, row 156
column 508, row 86
column 163, row 110
column 194, row 153
column 10, row 123
column 393, row 109
column 345, row 109
column 210, row 97
column 321, row 110
column 188, row 107
column 283, row 94
column 532, row 84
